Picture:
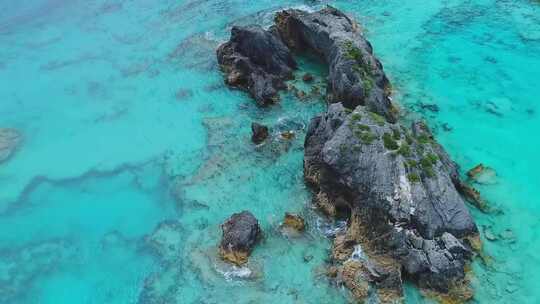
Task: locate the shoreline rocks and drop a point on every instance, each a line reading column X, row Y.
column 10, row 140
column 256, row 61
column 241, row 232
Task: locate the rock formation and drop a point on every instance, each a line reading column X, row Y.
column 9, row 141
column 256, row 61
column 240, row 234
column 356, row 77
column 397, row 186
column 258, row 133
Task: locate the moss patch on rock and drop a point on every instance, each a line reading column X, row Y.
column 389, row 142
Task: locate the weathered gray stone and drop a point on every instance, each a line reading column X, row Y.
column 356, row 77
column 240, row 234
column 400, row 182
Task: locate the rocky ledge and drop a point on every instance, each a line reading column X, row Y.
column 241, row 232
column 398, row 188
column 256, row 61
column 9, row 141
column 356, row 77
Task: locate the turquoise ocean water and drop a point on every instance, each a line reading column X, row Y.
column 127, row 127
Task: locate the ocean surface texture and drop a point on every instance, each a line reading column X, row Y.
column 132, row 151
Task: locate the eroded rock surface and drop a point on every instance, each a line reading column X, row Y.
column 240, row 234
column 9, row 141
column 397, row 186
column 356, row 77
column 257, row 61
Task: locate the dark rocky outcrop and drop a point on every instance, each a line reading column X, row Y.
column 356, row 77
column 398, row 188
column 9, row 141
column 240, row 234
column 257, row 61
column 259, row 133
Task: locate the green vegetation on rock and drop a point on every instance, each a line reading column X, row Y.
column 363, row 127
column 413, row 177
column 389, row 142
column 424, row 139
column 396, row 133
column 366, row 137
column 356, row 117
column 404, row 150
column 378, row 119
column 361, row 68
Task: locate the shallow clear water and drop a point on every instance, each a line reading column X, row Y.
column 127, row 125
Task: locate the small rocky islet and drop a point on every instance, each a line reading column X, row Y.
column 399, row 190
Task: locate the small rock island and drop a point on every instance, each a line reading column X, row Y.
column 396, row 186
column 240, row 234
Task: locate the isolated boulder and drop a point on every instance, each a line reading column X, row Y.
column 240, row 234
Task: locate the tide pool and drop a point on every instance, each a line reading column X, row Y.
column 127, row 125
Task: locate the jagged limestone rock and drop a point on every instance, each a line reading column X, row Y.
column 398, row 187
column 355, row 77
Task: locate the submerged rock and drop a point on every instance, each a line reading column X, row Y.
column 9, row 141
column 256, row 61
column 356, row 77
column 398, row 187
column 294, row 222
column 259, row 133
column 482, row 174
column 21, row 267
column 308, row 77
column 240, row 234
column 166, row 240
column 473, row 196
column 288, row 135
